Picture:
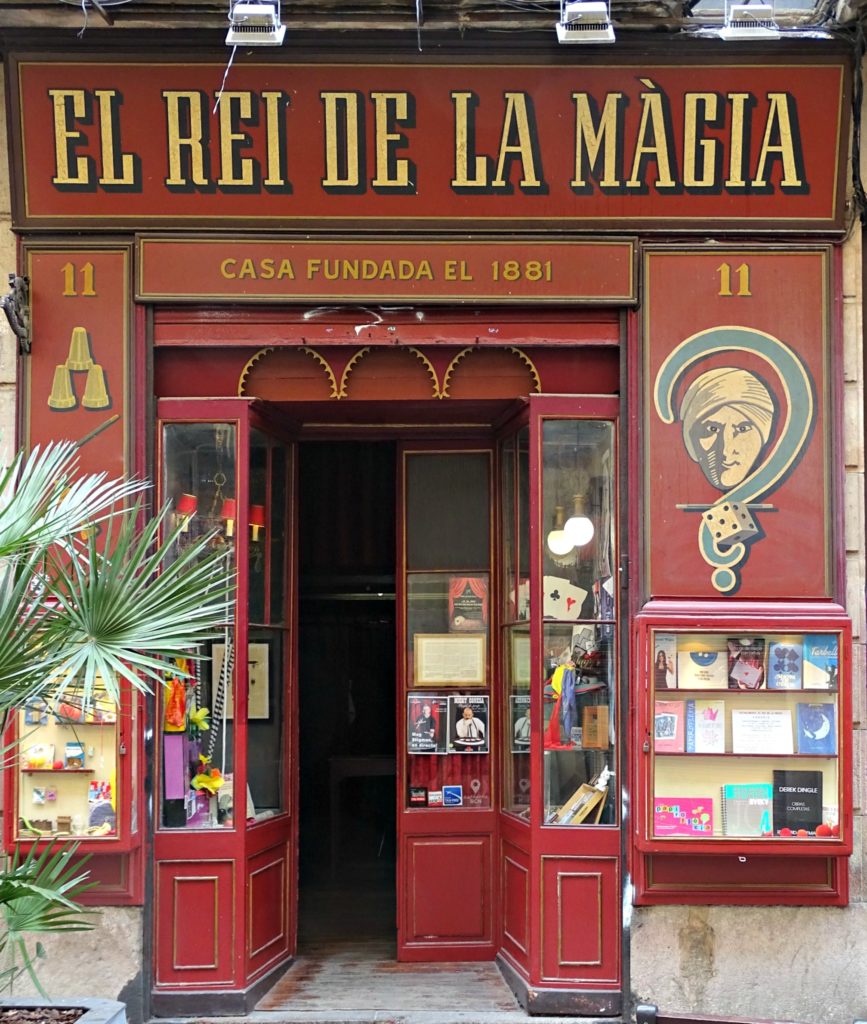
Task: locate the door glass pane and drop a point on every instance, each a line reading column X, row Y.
column 265, row 723
column 447, row 514
column 516, row 667
column 507, row 528
column 277, row 535
column 256, row 532
column 194, row 711
column 524, row 524
column 579, row 711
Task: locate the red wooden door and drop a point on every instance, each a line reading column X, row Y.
column 225, row 853
column 447, row 731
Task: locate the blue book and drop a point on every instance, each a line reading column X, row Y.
column 817, row 729
column 785, row 658
column 821, row 661
column 690, row 727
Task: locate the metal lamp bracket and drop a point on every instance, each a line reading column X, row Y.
column 16, row 306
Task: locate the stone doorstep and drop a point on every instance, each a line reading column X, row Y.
column 97, row 1011
column 387, row 1017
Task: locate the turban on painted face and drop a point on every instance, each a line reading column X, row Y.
column 737, row 389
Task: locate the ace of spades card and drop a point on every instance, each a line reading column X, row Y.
column 562, row 599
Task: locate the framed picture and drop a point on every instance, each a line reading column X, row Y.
column 449, row 659
column 258, row 700
column 521, row 660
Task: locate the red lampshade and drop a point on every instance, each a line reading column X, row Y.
column 186, row 509
column 257, row 519
column 229, row 512
column 187, row 505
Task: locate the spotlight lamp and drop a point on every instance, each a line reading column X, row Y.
column 749, row 21
column 255, row 23
column 579, row 528
column 585, row 21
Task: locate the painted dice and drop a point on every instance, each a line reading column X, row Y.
column 730, row 522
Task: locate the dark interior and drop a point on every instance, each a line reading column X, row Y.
column 346, row 682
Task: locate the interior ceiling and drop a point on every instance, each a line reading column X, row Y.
column 395, row 417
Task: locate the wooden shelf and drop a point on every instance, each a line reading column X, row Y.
column 729, row 753
column 57, row 771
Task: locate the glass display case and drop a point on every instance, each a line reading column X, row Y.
column 197, row 717
column 746, row 734
column 579, row 614
column 68, row 777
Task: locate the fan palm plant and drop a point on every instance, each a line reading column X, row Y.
column 90, row 595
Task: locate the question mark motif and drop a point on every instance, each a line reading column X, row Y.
column 726, row 391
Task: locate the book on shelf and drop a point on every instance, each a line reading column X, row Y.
column 746, row 662
column 797, row 800
column 701, row 667
column 664, row 661
column 705, row 727
column 785, row 658
column 817, row 729
column 821, row 662
column 669, row 726
column 762, row 731
column 746, row 808
column 683, row 816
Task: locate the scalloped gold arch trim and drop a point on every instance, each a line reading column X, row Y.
column 450, row 369
column 528, row 362
column 537, row 380
column 362, row 353
column 251, row 362
column 316, row 356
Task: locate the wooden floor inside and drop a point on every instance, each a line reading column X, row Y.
column 364, row 976
column 347, row 958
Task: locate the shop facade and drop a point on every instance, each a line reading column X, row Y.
column 525, row 394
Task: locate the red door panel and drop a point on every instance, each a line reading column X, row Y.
column 449, row 883
column 195, row 921
column 580, row 933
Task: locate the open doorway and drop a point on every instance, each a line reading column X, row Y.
column 346, row 677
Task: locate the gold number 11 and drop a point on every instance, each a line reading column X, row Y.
column 725, row 279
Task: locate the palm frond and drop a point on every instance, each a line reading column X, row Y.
column 41, row 499
column 123, row 613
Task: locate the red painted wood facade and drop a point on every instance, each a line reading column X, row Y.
column 229, row 316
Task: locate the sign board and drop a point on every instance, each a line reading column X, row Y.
column 651, row 146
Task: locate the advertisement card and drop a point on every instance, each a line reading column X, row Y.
column 426, row 724
column 468, row 724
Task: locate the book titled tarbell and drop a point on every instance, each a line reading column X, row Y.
column 797, row 800
column 821, row 662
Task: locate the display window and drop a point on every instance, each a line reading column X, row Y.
column 746, row 735
column 68, row 767
column 578, row 637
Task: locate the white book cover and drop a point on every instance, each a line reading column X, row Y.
column 702, row 670
column 710, row 727
column 762, row 731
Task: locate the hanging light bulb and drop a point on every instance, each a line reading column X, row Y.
column 579, row 528
column 557, row 541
